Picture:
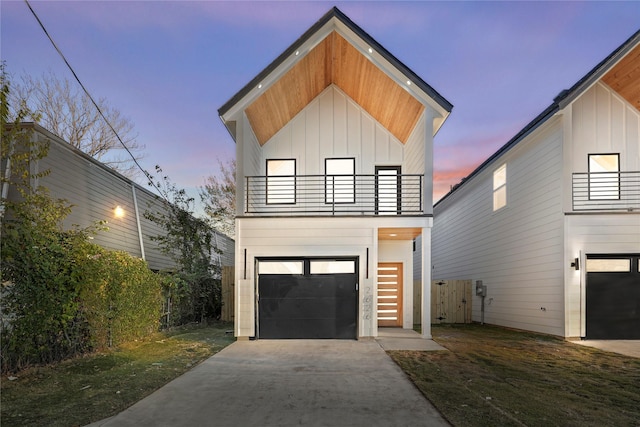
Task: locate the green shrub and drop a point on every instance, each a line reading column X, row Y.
column 40, row 295
column 120, row 297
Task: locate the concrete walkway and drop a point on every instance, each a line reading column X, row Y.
column 625, row 347
column 288, row 383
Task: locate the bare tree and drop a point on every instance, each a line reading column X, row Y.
column 67, row 111
column 219, row 198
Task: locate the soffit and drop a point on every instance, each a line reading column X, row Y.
column 335, row 61
column 624, row 77
column 398, row 233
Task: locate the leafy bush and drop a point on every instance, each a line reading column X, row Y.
column 63, row 295
column 193, row 291
column 120, row 297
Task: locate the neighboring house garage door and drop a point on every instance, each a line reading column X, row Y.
column 613, row 297
column 307, row 298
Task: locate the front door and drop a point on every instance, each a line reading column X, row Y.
column 390, row 294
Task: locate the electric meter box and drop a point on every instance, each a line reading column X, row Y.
column 481, row 290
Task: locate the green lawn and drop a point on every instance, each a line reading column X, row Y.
column 498, row 377
column 88, row 389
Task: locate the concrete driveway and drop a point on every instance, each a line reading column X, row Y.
column 288, row 383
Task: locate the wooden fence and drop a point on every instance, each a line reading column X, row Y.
column 451, row 301
column 228, row 277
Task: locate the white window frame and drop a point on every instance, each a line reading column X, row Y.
column 500, row 187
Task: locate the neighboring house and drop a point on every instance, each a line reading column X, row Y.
column 551, row 222
column 334, row 181
column 98, row 193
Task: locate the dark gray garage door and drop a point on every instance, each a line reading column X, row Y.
column 613, row 297
column 316, row 298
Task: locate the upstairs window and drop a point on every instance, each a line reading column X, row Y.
column 500, row 187
column 340, row 180
column 604, row 176
column 281, row 181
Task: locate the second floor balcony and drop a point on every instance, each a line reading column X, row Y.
column 606, row 191
column 331, row 195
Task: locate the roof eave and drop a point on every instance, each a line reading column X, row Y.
column 314, row 29
column 560, row 102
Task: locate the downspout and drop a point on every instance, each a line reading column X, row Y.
column 135, row 206
column 5, row 183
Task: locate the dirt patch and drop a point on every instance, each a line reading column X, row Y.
column 495, row 376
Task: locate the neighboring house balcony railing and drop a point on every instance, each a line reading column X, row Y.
column 328, row 195
column 606, row 191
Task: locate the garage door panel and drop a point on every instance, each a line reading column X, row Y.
column 613, row 303
column 307, row 306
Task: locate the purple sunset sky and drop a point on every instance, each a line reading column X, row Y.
column 169, row 65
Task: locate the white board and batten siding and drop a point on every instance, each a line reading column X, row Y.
column 598, row 122
column 331, row 126
column 603, row 122
column 517, row 251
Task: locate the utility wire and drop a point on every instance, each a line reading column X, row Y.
column 95, row 104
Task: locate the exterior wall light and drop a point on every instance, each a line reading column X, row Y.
column 576, row 264
column 118, row 212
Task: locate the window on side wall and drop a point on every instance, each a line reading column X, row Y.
column 604, row 176
column 281, row 181
column 340, row 180
column 500, row 187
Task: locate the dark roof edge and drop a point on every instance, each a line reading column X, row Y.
column 530, row 127
column 561, row 101
column 334, row 12
column 566, row 97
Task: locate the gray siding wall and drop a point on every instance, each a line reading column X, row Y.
column 94, row 191
column 516, row 251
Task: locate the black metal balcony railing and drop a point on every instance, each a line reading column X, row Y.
column 334, row 195
column 597, row 191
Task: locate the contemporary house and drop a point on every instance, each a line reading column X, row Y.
column 334, row 182
column 99, row 193
column 548, row 228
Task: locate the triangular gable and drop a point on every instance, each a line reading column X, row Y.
column 335, row 51
column 620, row 71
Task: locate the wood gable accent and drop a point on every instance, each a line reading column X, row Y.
column 624, row 77
column 335, row 61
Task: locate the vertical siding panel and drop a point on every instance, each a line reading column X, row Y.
column 368, row 145
column 603, row 118
column 382, row 144
column 298, row 147
column 339, row 124
column 326, row 125
column 632, row 139
column 617, row 123
column 354, row 133
column 312, row 139
column 395, row 151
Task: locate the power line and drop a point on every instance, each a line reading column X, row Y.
column 95, row 104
